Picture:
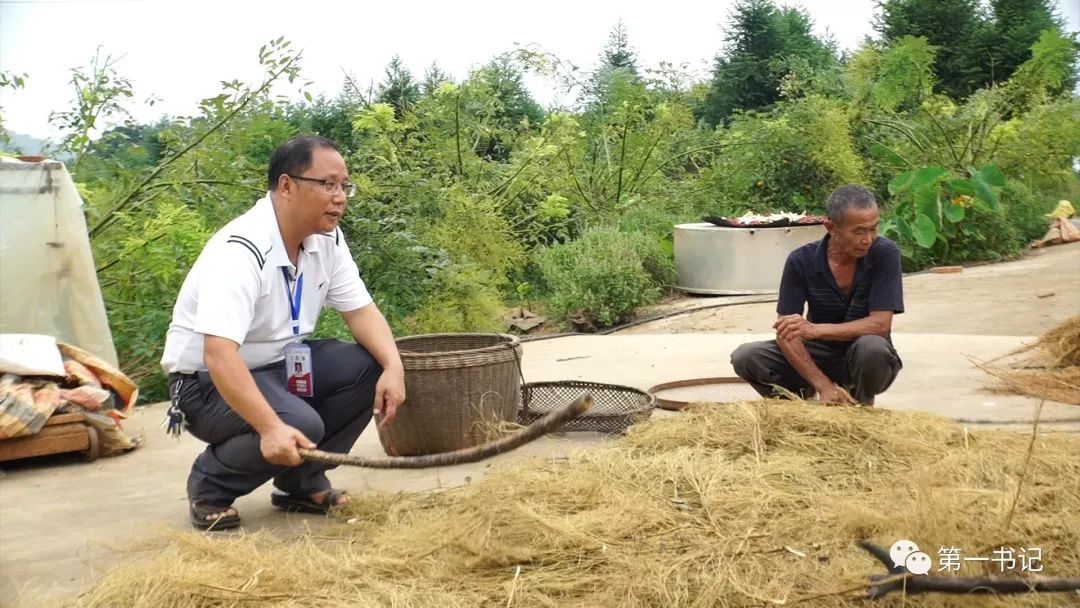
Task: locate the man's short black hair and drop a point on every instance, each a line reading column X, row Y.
column 294, row 156
column 846, row 197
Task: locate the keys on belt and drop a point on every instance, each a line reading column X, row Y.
column 175, row 421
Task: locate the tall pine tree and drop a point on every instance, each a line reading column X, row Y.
column 975, row 49
column 515, row 109
column 507, row 84
column 955, row 27
column 617, row 54
column 748, row 73
column 617, row 67
column 399, row 89
column 433, row 77
column 1017, row 26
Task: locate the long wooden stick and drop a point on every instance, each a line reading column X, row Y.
column 548, row 423
column 900, row 579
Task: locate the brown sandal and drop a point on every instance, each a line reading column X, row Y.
column 200, row 511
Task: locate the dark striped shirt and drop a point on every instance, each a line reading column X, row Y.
column 808, row 282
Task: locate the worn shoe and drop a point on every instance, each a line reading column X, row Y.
column 201, row 514
column 304, row 504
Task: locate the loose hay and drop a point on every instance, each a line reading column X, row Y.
column 1059, row 346
column 750, row 504
column 1049, row 369
column 1061, row 385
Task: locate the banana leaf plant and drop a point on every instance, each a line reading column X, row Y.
column 931, row 204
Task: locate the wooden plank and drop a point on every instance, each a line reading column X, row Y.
column 946, row 269
column 51, row 440
column 64, row 419
column 58, row 430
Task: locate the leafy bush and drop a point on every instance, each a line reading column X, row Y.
column 481, row 253
column 658, row 250
column 602, row 276
column 1026, row 210
column 986, row 235
column 464, row 301
column 472, row 231
column 399, row 269
column 145, row 270
column 788, row 160
column 932, row 213
column 1040, row 146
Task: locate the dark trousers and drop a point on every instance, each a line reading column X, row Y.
column 232, row 464
column 866, row 367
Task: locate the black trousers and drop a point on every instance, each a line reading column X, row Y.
column 865, row 368
column 232, row 465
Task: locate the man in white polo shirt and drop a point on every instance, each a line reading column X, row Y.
column 242, row 375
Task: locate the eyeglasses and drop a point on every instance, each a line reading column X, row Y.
column 329, row 186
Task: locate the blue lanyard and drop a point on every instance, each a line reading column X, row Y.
column 294, row 300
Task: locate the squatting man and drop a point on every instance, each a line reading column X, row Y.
column 849, row 282
column 243, row 376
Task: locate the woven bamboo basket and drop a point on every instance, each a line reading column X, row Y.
column 615, row 407
column 459, row 388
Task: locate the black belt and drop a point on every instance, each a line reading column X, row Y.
column 174, row 376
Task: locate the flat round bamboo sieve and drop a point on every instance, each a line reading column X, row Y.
column 681, row 393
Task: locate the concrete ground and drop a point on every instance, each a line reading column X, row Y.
column 1022, row 298
column 60, row 517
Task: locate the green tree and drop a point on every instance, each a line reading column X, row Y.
column 617, row 54
column 954, row 27
column 100, row 93
column 433, row 77
column 761, row 42
column 1049, row 72
column 896, row 78
column 978, row 48
column 127, row 148
column 912, row 128
column 399, row 89
column 1017, row 27
column 741, row 78
column 616, row 70
column 507, row 85
column 497, row 92
column 327, row 117
column 788, row 159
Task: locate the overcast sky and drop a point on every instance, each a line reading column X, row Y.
column 179, row 51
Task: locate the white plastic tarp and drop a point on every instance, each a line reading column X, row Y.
column 48, row 281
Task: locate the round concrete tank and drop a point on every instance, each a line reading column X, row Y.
column 715, row 260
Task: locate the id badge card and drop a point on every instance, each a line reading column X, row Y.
column 298, row 377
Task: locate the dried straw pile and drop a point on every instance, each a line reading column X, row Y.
column 744, row 505
column 1048, row 368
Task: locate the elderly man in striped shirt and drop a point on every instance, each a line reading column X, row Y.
column 836, row 306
